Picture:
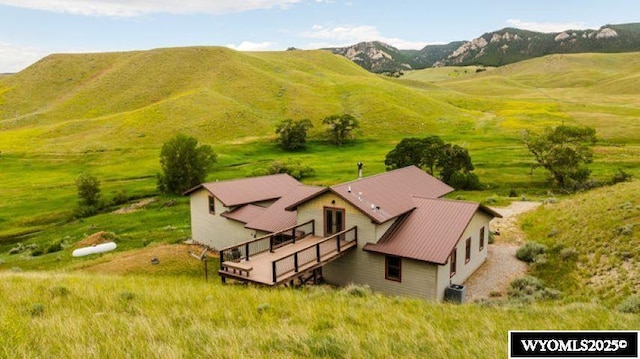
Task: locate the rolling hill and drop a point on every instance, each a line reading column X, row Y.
column 142, row 98
column 109, row 114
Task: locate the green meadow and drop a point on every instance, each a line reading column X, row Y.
column 109, row 114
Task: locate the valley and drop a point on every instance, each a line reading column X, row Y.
column 109, row 114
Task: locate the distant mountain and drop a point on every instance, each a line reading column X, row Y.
column 378, row 57
column 495, row 48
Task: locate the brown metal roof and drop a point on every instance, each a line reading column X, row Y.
column 389, row 195
column 430, row 232
column 249, row 190
column 244, row 214
column 276, row 217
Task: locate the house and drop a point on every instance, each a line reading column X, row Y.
column 392, row 231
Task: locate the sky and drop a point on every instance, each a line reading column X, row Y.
column 32, row 29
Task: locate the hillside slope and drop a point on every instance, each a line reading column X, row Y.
column 138, row 316
column 142, row 98
column 593, row 242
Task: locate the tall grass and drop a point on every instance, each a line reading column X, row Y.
column 592, row 242
column 72, row 315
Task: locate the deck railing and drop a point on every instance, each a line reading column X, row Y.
column 244, row 251
column 313, row 254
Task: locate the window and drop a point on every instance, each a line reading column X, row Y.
column 452, row 263
column 481, row 238
column 467, row 253
column 212, row 205
column 333, row 220
column 393, row 268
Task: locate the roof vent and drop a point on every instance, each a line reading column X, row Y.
column 360, row 196
column 373, row 207
column 349, row 189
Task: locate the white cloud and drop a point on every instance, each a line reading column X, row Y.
column 14, row 58
column 546, row 26
column 130, row 8
column 345, row 35
column 252, row 46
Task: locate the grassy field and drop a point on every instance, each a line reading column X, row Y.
column 109, row 114
column 95, row 316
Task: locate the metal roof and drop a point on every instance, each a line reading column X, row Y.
column 430, row 232
column 244, row 214
column 388, row 195
column 249, row 190
column 276, row 217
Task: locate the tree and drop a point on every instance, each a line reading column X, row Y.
column 88, row 196
column 184, row 164
column 293, row 134
column 564, row 151
column 451, row 162
column 340, row 127
column 453, row 159
column 88, row 190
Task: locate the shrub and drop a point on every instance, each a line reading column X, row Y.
column 530, row 287
column 294, row 168
column 357, row 290
column 120, row 197
column 36, row 310
column 621, row 176
column 54, row 247
column 59, row 291
column 625, row 230
column 630, row 305
column 262, row 307
column 37, row 251
column 465, row 180
column 529, row 251
column 126, row 295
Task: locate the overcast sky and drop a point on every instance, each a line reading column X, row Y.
column 32, row 29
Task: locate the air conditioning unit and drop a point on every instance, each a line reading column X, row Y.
column 454, row 293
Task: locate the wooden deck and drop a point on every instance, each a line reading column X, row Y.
column 289, row 261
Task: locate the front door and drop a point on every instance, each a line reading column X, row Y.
column 333, row 220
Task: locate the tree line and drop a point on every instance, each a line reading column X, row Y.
column 564, row 152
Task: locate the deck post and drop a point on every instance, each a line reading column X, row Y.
column 318, row 252
column 295, row 261
column 221, row 255
column 338, row 243
column 273, row 268
column 271, row 244
column 246, row 251
column 313, row 227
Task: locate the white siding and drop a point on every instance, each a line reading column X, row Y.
column 464, row 270
column 360, row 267
column 212, row 229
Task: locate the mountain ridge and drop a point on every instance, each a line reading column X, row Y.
column 496, row 48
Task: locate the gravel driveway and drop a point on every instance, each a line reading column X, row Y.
column 501, row 267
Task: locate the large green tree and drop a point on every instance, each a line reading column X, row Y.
column 184, row 164
column 293, row 134
column 565, row 152
column 340, row 127
column 88, row 190
column 451, row 163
